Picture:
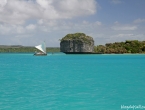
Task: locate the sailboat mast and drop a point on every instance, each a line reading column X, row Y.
column 44, row 47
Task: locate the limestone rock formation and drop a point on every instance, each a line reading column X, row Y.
column 77, row 43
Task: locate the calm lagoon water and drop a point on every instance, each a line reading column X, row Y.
column 71, row 82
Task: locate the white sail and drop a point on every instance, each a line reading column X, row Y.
column 41, row 47
column 44, row 47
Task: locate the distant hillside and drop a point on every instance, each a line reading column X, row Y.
column 129, row 46
column 24, row 49
column 10, row 46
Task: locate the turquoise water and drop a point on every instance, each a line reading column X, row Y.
column 71, row 82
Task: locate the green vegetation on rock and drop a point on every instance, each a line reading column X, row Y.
column 78, row 37
column 130, row 46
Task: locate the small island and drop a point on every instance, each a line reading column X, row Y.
column 77, row 43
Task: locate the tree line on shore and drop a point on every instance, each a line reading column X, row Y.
column 22, row 49
column 129, row 46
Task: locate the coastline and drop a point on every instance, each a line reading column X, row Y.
column 55, row 53
column 99, row 53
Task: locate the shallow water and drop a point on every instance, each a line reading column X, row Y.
column 71, row 82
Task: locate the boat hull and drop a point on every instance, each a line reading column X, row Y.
column 38, row 54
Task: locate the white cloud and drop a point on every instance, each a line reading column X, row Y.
column 73, row 8
column 45, row 3
column 98, row 23
column 40, row 21
column 23, row 36
column 8, row 29
column 52, row 31
column 11, row 29
column 4, row 29
column 3, row 3
column 124, row 35
column 128, row 36
column 21, row 20
column 139, row 20
column 124, row 28
column 20, row 29
column 19, row 11
column 31, row 27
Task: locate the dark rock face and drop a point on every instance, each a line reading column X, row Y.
column 77, row 45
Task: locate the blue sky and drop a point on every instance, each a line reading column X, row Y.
column 124, row 11
column 30, row 22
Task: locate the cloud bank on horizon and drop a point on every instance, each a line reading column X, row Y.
column 30, row 22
